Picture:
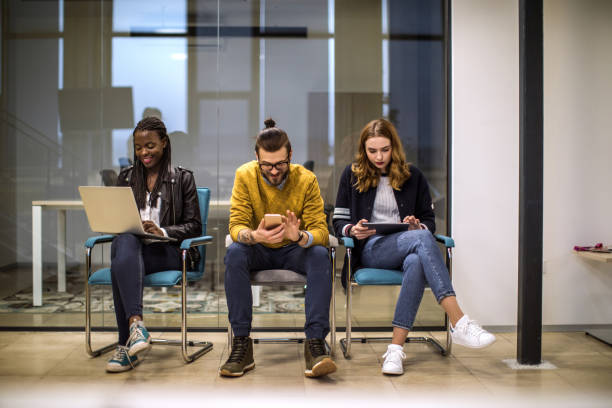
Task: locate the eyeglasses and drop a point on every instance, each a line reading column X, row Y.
column 280, row 166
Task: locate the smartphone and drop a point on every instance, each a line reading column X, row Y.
column 272, row 220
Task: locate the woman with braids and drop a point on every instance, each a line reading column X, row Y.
column 380, row 187
column 168, row 204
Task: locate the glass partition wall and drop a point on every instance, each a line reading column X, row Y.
column 78, row 76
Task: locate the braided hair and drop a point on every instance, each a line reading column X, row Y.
column 138, row 181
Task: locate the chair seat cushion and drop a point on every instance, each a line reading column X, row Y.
column 277, row 277
column 374, row 276
column 157, row 279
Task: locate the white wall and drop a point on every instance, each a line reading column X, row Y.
column 577, row 162
column 577, row 159
column 485, row 125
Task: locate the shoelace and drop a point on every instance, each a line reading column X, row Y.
column 473, row 328
column 136, row 333
column 120, row 353
column 401, row 353
column 239, row 350
column 317, row 347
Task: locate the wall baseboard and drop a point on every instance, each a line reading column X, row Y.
column 552, row 328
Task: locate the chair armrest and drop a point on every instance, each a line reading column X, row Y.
column 347, row 242
column 191, row 242
column 100, row 239
column 447, row 241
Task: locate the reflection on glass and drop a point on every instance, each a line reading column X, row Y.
column 158, row 83
column 152, row 16
column 213, row 71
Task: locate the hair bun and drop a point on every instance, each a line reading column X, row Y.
column 270, row 123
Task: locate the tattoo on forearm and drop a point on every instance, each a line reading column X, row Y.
column 246, row 237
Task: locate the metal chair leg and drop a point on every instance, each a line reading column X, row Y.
column 333, row 302
column 88, row 348
column 435, row 344
column 204, row 346
column 449, row 264
column 345, row 343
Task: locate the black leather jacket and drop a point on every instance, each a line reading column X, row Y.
column 179, row 214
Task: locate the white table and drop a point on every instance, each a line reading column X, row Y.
column 61, row 206
column 218, row 209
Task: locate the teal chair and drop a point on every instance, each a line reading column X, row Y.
column 162, row 279
column 375, row 277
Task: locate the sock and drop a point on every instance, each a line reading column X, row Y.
column 137, row 323
column 395, row 347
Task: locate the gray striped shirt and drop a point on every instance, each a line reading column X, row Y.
column 385, row 207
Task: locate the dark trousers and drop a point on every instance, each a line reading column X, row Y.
column 131, row 260
column 313, row 262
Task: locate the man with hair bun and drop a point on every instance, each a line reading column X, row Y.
column 271, row 184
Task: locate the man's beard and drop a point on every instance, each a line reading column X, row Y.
column 280, row 180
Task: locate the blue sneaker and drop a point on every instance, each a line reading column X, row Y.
column 139, row 340
column 121, row 361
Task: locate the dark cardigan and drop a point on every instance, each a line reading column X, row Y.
column 412, row 198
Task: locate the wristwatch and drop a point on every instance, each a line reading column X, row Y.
column 300, row 236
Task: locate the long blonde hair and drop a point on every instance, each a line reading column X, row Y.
column 366, row 173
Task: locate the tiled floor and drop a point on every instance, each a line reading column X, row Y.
column 44, row 361
column 53, row 369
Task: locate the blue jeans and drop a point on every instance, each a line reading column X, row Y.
column 417, row 255
column 313, row 262
column 131, row 260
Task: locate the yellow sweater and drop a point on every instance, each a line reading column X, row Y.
column 252, row 197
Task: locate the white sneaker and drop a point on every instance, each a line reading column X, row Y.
column 468, row 333
column 394, row 358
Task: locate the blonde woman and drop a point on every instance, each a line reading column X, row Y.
column 380, row 187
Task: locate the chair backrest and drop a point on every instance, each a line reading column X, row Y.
column 204, row 202
column 109, row 177
column 124, row 162
column 309, row 165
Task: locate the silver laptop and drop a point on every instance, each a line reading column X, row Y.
column 113, row 210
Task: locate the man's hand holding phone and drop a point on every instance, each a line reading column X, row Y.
column 271, row 229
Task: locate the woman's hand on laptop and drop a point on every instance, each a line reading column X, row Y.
column 151, row 228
